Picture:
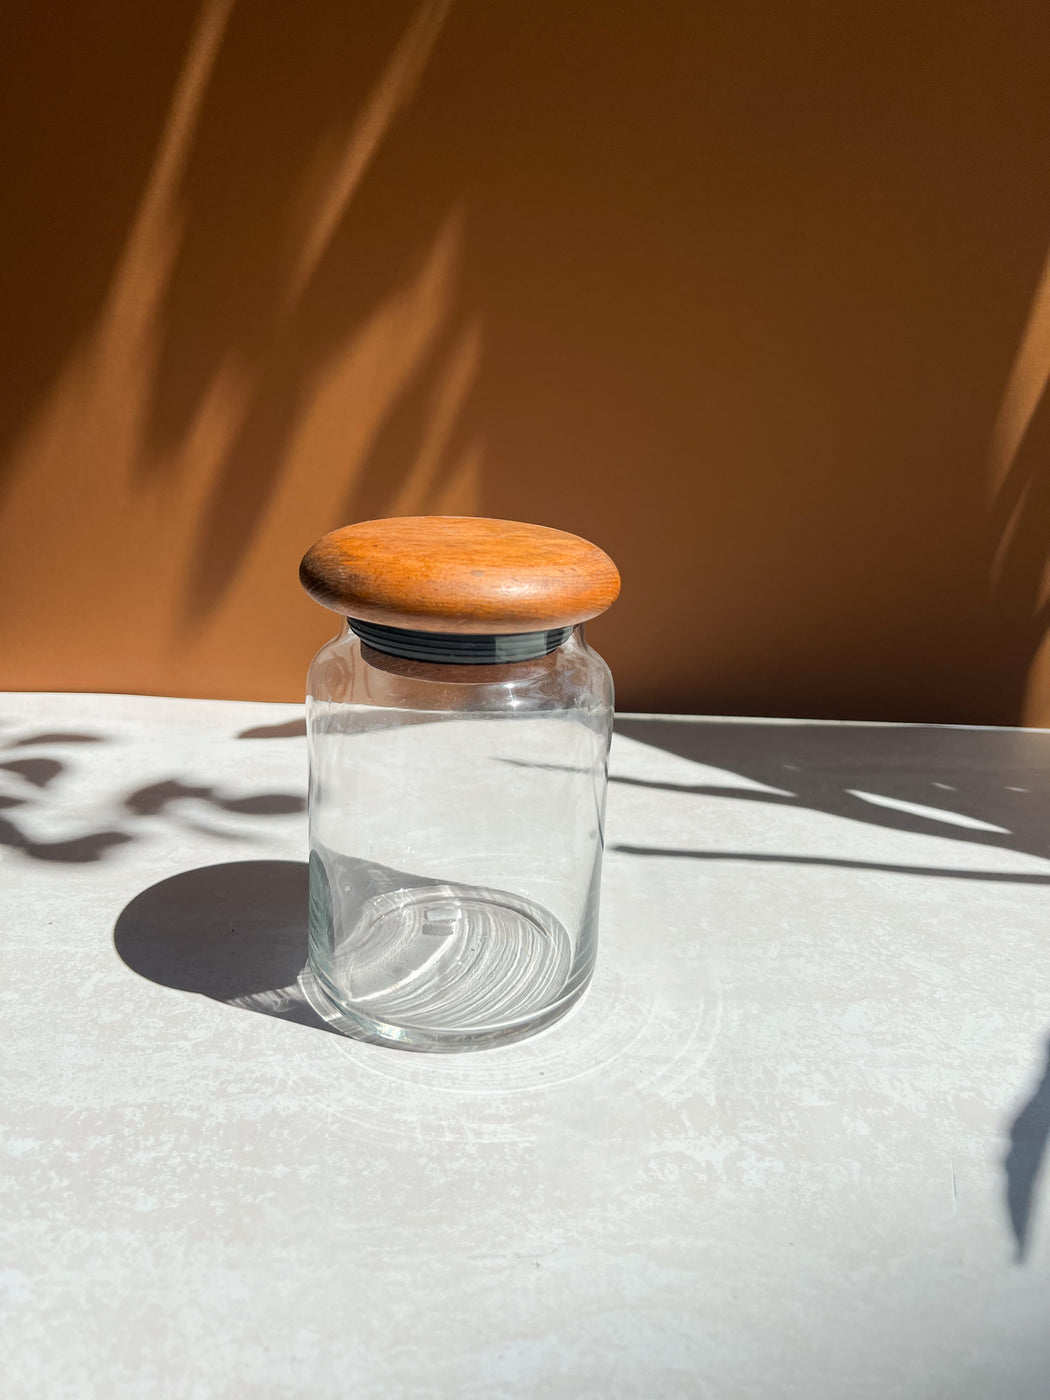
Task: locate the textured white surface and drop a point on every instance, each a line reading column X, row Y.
column 765, row 1157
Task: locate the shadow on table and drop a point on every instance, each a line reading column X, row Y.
column 289, row 729
column 35, row 775
column 237, row 932
column 1023, row 1163
column 989, row 790
column 234, row 932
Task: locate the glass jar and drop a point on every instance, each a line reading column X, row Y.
column 457, row 779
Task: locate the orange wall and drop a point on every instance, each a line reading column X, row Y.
column 747, row 293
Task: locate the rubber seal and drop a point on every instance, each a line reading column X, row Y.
column 460, row 648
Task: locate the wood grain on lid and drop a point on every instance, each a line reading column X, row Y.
column 452, row 573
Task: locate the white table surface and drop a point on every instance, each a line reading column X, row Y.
column 789, row 1144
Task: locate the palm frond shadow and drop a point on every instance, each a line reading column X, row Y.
column 1003, row 783
column 1000, row 778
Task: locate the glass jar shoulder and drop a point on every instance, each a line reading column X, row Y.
column 345, row 671
column 332, row 671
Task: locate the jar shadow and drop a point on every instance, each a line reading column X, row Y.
column 235, row 932
column 238, row 933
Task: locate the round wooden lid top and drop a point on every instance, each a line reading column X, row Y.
column 455, row 573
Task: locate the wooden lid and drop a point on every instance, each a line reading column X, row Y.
column 454, row 573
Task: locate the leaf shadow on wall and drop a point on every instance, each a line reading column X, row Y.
column 74, row 168
column 237, row 276
column 273, row 281
column 734, row 292
column 768, row 376
column 1019, row 471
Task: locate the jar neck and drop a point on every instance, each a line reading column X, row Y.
column 459, row 648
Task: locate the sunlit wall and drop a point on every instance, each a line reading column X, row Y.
column 753, row 295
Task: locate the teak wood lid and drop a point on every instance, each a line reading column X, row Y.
column 460, row 574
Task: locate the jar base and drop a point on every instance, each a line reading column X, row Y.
column 446, row 967
column 356, row 1026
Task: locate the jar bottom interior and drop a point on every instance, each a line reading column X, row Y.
column 442, row 965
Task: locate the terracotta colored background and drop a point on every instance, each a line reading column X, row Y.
column 751, row 294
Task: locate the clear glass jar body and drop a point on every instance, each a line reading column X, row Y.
column 456, row 828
